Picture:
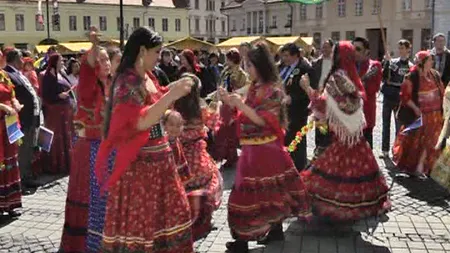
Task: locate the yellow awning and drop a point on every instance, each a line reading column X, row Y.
column 191, row 43
column 42, row 48
column 236, row 41
column 308, row 40
column 118, row 42
column 76, row 46
column 279, row 41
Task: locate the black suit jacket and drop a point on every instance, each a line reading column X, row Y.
column 25, row 97
column 299, row 98
column 445, row 77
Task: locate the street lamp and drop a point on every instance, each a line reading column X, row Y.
column 121, row 25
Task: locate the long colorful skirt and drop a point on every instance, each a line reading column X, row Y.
column 77, row 203
column 147, row 210
column 97, row 202
column 408, row 148
column 226, row 141
column 10, row 187
column 59, row 119
column 441, row 169
column 205, row 184
column 346, row 184
column 267, row 190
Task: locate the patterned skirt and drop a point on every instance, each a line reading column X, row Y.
column 408, row 148
column 10, row 187
column 267, row 190
column 97, row 202
column 346, row 184
column 226, row 141
column 204, row 188
column 441, row 169
column 77, row 203
column 147, row 210
column 59, row 119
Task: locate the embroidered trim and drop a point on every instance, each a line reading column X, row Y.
column 257, row 140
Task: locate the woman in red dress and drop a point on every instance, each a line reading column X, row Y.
column 147, row 208
column 345, row 182
column 204, row 189
column 59, row 115
column 189, row 64
column 423, row 92
column 268, row 187
column 10, row 187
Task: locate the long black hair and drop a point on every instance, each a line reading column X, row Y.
column 264, row 63
column 142, row 36
column 189, row 106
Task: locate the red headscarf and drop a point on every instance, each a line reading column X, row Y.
column 192, row 59
column 347, row 62
column 420, row 57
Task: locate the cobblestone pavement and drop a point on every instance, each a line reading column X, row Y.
column 418, row 223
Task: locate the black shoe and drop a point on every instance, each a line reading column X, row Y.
column 275, row 234
column 13, row 214
column 237, row 247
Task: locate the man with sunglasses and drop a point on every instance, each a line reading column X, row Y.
column 370, row 72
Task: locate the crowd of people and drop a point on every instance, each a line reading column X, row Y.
column 145, row 132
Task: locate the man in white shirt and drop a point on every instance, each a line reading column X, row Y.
column 322, row 67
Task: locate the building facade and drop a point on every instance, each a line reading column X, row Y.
column 337, row 19
column 442, row 18
column 20, row 26
column 206, row 22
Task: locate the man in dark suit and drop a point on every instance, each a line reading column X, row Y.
column 30, row 115
column 215, row 68
column 322, row 67
column 441, row 56
column 293, row 67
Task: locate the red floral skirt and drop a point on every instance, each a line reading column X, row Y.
column 409, row 147
column 205, row 183
column 267, row 190
column 77, row 203
column 10, row 187
column 346, row 184
column 147, row 210
column 226, row 141
column 59, row 119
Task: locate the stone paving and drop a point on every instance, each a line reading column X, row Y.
column 418, row 223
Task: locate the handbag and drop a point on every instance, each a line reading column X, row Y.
column 405, row 115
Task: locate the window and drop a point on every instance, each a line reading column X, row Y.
column 426, row 39
column 118, row 23
column 303, row 34
column 223, row 26
column 165, row 24
column 196, row 5
column 249, row 18
column 197, row 24
column 136, row 23
column 359, row 10
column 303, row 11
column 210, row 5
column 103, row 23
column 2, row 22
column 289, row 20
column 350, row 35
column 408, row 35
column 376, row 7
column 406, row 5
column 336, row 36
column 233, row 27
column 274, row 21
column 177, row 24
column 56, row 22
column 260, row 22
column 319, row 10
column 222, row 4
column 428, row 4
column 317, row 37
column 72, row 23
column 21, row 46
column 151, row 23
column 39, row 23
column 448, row 41
column 20, row 22
column 254, row 22
column 87, row 23
column 341, row 8
column 243, row 25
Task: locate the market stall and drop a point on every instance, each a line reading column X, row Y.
column 191, row 43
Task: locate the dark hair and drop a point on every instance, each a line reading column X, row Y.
column 364, row 41
column 213, row 55
column 52, row 49
column 437, row 35
column 13, row 55
column 112, row 52
column 53, row 62
column 291, row 48
column 142, row 36
column 70, row 65
column 329, row 41
column 264, row 63
column 166, row 52
column 189, row 106
column 26, row 53
column 404, row 43
column 234, row 56
column 246, row 44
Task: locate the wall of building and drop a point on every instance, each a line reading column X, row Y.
column 30, row 35
column 442, row 17
column 202, row 11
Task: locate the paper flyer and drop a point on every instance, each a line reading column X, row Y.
column 415, row 125
column 13, row 128
column 45, row 138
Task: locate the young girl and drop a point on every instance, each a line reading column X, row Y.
column 268, row 188
column 204, row 189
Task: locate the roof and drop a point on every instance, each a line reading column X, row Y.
column 76, row 46
column 236, row 41
column 283, row 40
column 190, row 42
column 154, row 3
column 238, row 4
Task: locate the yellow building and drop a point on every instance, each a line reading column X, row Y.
column 19, row 24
